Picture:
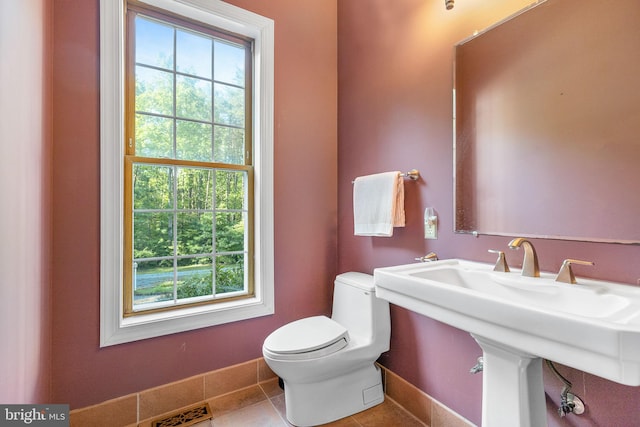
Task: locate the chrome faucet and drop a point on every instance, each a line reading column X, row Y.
column 530, row 266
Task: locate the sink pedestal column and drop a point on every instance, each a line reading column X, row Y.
column 512, row 387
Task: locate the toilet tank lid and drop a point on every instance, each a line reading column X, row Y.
column 304, row 335
column 360, row 280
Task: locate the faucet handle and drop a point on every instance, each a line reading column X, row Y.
column 565, row 275
column 501, row 262
column 431, row 256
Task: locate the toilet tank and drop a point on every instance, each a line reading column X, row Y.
column 356, row 307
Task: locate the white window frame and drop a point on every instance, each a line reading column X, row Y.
column 114, row 327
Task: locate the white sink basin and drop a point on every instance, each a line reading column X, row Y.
column 593, row 326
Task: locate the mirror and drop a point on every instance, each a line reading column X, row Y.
column 547, row 124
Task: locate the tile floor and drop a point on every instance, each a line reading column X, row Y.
column 263, row 406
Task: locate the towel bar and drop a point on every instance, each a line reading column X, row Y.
column 413, row 175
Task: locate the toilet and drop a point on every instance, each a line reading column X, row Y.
column 328, row 364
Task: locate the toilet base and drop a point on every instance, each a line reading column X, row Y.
column 310, row 404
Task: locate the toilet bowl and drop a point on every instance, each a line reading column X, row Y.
column 328, row 364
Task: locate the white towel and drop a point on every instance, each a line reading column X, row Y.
column 378, row 204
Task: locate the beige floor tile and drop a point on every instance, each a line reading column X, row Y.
column 344, row 422
column 236, row 401
column 261, row 414
column 251, row 408
column 271, row 388
column 279, row 404
column 387, row 414
column 261, row 403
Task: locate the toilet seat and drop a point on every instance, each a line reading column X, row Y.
column 307, row 338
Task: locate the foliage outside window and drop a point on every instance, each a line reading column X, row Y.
column 187, row 167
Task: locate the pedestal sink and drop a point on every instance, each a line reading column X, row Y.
column 593, row 326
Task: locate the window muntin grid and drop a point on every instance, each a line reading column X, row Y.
column 188, row 125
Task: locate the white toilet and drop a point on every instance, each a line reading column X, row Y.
column 328, row 364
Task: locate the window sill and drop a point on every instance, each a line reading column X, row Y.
column 151, row 325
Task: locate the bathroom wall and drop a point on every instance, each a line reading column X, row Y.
column 305, row 207
column 394, row 113
column 25, row 217
column 395, row 104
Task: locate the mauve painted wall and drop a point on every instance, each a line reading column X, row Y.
column 395, row 103
column 305, row 207
column 25, row 217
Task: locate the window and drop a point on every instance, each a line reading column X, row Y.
column 186, row 167
column 188, row 172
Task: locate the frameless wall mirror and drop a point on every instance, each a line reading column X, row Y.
column 547, row 124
